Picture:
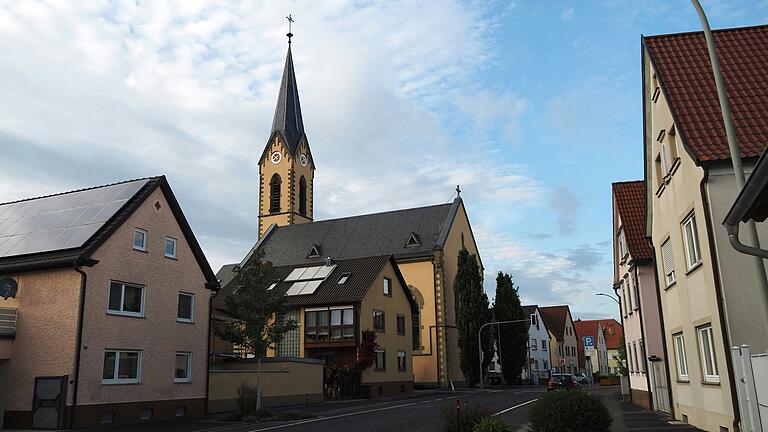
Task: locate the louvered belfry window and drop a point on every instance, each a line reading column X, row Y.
column 274, row 194
column 303, row 195
column 668, row 262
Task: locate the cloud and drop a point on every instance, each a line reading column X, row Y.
column 567, row 14
column 566, row 205
column 494, row 113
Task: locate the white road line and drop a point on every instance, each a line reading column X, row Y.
column 314, row 420
column 516, row 406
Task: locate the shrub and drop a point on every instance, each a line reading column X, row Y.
column 262, row 414
column 470, row 414
column 246, row 399
column 293, row 415
column 572, row 410
column 491, row 424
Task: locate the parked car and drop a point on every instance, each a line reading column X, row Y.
column 562, row 382
column 582, row 378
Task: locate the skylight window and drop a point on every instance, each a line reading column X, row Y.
column 343, row 278
column 307, row 280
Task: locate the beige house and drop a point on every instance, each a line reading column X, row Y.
column 563, row 342
column 635, row 283
column 424, row 241
column 111, row 301
column 708, row 289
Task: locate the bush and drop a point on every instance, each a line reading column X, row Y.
column 293, row 415
column 571, row 410
column 491, row 424
column 246, row 399
column 470, row 414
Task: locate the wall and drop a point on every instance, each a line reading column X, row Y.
column 420, row 276
column 284, row 381
column 691, row 301
column 158, row 335
column 538, row 355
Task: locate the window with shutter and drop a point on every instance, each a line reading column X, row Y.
column 668, row 262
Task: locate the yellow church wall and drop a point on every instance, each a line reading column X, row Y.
column 419, row 275
column 309, row 175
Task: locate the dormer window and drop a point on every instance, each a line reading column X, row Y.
column 314, row 251
column 413, row 241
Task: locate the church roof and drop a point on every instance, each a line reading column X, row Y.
column 386, row 233
column 287, row 121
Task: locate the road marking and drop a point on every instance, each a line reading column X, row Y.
column 516, row 406
column 330, row 417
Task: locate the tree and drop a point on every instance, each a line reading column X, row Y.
column 621, row 369
column 259, row 313
column 511, row 338
column 472, row 312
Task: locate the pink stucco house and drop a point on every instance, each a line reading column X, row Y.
column 104, row 305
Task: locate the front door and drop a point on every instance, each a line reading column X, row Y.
column 49, row 401
column 660, row 387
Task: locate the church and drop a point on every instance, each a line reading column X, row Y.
column 405, row 263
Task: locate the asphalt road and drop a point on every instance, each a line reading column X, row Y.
column 415, row 413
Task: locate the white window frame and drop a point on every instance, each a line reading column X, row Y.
column 533, row 344
column 669, row 272
column 122, row 299
column 690, row 220
column 188, row 378
column 666, row 163
column 405, row 365
column 623, row 250
column 143, row 247
column 387, row 287
column 116, row 380
column 705, row 368
column 681, row 359
column 165, row 247
column 191, row 319
column 635, row 293
column 624, row 298
column 543, row 345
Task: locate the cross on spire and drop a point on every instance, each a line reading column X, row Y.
column 290, row 21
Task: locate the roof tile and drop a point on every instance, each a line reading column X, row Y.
column 630, row 204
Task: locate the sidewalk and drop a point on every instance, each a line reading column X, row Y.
column 630, row 417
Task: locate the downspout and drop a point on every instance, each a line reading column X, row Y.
column 720, row 302
column 78, row 338
column 209, row 353
column 733, row 237
column 645, row 341
column 437, row 324
column 663, row 334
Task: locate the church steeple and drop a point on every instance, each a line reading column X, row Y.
column 286, row 168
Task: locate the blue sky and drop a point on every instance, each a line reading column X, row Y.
column 533, row 107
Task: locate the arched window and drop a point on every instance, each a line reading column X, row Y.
column 274, row 194
column 303, row 195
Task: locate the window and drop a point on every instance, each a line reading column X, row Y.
column 170, row 247
column 707, row 348
column 338, row 323
column 543, row 345
column 401, row 324
column 668, row 262
column 622, row 244
column 635, row 367
column 416, row 332
column 121, row 367
column 624, row 304
column 183, row 369
column 303, row 196
column 635, row 295
column 691, row 241
column 378, row 321
column 342, row 323
column 126, row 299
column 343, row 278
column 274, row 193
column 534, row 321
column 546, row 365
column 401, row 361
column 642, row 356
column 388, row 287
column 381, row 360
column 665, row 162
column 534, row 344
column 140, row 239
column 630, row 300
column 680, row 358
column 186, row 307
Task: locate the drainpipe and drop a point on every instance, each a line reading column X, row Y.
column 667, row 366
column 78, row 338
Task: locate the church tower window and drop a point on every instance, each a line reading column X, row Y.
column 274, row 194
column 303, row 196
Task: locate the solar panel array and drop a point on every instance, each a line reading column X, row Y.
column 60, row 222
column 306, row 280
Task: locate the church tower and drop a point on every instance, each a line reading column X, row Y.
column 286, row 168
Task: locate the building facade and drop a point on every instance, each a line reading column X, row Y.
column 592, row 339
column 563, row 342
column 539, row 343
column 112, row 304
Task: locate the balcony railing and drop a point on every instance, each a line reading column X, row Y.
column 7, row 322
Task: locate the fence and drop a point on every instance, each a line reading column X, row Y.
column 752, row 388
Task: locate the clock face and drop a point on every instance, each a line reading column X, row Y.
column 610, row 331
column 303, row 159
column 276, row 157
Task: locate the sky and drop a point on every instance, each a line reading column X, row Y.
column 533, row 107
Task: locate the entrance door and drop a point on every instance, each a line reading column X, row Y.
column 660, row 387
column 48, row 403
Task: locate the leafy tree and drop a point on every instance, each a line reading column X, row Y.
column 259, row 312
column 622, row 368
column 472, row 308
column 511, row 338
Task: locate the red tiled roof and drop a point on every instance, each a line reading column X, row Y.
column 612, row 331
column 586, row 328
column 554, row 318
column 630, row 203
column 682, row 65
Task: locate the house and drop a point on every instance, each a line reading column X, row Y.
column 592, row 341
column 613, row 333
column 335, row 301
column 563, row 343
column 538, row 347
column 709, row 292
column 636, row 285
column 110, row 292
column 424, row 241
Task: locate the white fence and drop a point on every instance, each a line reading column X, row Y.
column 752, row 388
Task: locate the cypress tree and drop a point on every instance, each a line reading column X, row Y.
column 472, row 312
column 511, row 338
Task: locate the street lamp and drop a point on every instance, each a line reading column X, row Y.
column 610, row 297
column 480, row 343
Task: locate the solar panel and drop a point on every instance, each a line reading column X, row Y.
column 311, row 287
column 60, row 222
column 295, row 274
column 296, row 288
column 306, row 280
column 324, row 271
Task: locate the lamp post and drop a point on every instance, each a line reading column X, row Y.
column 610, row 297
column 480, row 343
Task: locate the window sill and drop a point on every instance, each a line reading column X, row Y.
column 683, row 381
column 171, row 257
column 112, row 383
column 125, row 314
column 711, row 383
column 694, row 268
column 670, row 285
column 180, row 381
column 141, row 250
column 185, row 321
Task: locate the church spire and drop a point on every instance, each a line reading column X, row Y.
column 287, row 120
